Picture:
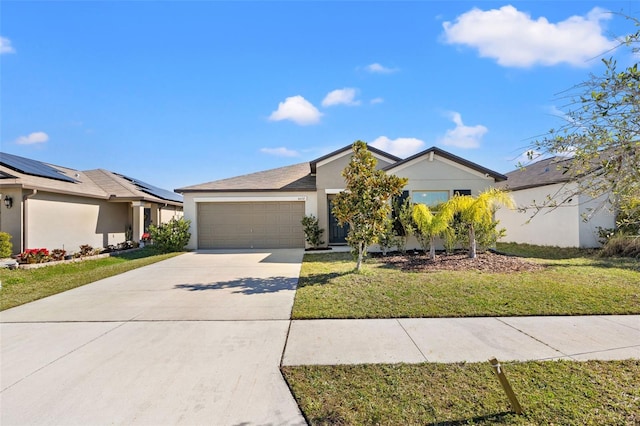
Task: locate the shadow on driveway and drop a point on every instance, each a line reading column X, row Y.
column 247, row 285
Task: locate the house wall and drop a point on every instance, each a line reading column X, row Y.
column 549, row 227
column 328, row 180
column 192, row 198
column 169, row 212
column 11, row 219
column 562, row 226
column 63, row 221
column 599, row 214
column 440, row 174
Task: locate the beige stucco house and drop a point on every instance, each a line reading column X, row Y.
column 265, row 209
column 573, row 223
column 48, row 206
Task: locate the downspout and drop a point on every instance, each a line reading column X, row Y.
column 25, row 222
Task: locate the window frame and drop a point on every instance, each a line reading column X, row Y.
column 431, row 206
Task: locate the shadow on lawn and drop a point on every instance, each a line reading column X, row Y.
column 320, row 279
column 246, row 285
column 489, row 418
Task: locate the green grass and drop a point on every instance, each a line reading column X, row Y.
column 551, row 392
column 574, row 282
column 21, row 286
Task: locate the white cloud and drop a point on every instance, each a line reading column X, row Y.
column 33, row 138
column 400, row 147
column 5, row 46
column 376, row 101
column 344, row 96
column 377, row 68
column 514, row 39
column 463, row 136
column 298, row 110
column 280, row 152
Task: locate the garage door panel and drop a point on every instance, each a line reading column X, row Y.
column 250, row 225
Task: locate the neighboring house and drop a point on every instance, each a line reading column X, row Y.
column 574, row 223
column 47, row 206
column 265, row 209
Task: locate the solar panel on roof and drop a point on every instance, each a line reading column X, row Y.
column 154, row 190
column 32, row 167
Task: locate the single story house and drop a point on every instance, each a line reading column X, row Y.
column 571, row 224
column 54, row 207
column 265, row 209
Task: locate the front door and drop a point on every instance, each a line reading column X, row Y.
column 337, row 233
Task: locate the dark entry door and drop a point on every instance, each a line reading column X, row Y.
column 337, row 233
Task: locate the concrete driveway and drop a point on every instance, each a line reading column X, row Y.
column 196, row 339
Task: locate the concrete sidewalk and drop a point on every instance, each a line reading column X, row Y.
column 414, row 340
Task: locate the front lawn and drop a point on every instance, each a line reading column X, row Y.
column 26, row 285
column 551, row 392
column 570, row 282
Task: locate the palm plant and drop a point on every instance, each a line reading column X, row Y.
column 477, row 211
column 431, row 225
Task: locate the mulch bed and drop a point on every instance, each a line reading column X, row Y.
column 486, row 262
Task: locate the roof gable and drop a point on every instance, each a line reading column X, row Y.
column 346, row 150
column 449, row 156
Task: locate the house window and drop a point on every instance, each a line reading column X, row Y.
column 430, row 198
column 461, row 192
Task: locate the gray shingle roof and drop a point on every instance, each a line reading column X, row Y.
column 297, row 177
column 540, row 173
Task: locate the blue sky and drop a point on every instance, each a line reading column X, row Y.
column 181, row 93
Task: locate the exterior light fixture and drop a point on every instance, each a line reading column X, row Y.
column 8, row 201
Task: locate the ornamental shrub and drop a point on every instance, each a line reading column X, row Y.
column 58, row 254
column 312, row 231
column 38, row 255
column 171, row 236
column 6, row 247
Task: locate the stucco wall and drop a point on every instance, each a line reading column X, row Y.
column 192, row 198
column 563, row 226
column 60, row 221
column 599, row 214
column 170, row 212
column 442, row 175
column 328, row 180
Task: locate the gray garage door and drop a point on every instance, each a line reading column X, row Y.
column 250, row 225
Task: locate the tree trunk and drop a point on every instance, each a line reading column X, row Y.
column 472, row 241
column 359, row 263
column 432, row 248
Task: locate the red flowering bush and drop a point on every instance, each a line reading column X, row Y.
column 145, row 237
column 39, row 255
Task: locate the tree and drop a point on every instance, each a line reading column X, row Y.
column 474, row 212
column 430, row 226
column 364, row 204
column 601, row 137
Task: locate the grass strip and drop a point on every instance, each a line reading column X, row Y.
column 550, row 392
column 21, row 286
column 329, row 288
